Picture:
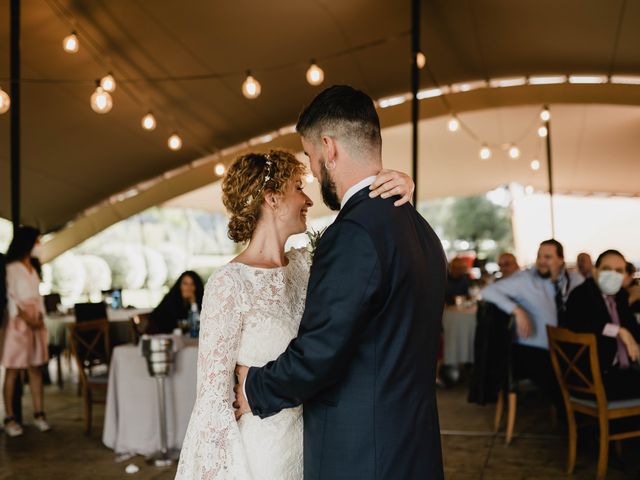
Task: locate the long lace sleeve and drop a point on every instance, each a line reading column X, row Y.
column 212, row 447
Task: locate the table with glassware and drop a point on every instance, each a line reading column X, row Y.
column 131, row 423
column 459, row 326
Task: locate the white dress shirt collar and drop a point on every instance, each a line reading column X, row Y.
column 355, row 189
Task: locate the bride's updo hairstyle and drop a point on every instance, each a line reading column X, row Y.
column 247, row 180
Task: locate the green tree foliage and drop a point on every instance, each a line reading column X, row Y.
column 476, row 218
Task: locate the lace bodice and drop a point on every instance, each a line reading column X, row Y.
column 249, row 316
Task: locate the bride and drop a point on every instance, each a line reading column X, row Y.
column 251, row 311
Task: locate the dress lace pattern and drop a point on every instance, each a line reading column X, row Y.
column 249, row 316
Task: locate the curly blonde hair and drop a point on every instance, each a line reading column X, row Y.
column 248, row 179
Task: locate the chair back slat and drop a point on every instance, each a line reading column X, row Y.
column 85, row 312
column 90, row 345
column 575, row 362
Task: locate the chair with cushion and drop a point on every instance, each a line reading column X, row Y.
column 90, row 347
column 575, row 361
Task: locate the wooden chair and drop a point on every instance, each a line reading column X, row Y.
column 85, row 312
column 139, row 326
column 575, row 361
column 90, row 347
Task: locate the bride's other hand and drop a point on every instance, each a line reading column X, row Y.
column 389, row 183
column 241, row 405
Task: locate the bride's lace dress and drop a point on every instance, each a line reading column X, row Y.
column 249, row 316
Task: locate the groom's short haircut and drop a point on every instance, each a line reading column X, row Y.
column 345, row 113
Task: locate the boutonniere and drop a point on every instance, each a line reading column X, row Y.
column 314, row 239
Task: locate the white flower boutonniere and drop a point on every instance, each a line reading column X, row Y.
column 314, row 239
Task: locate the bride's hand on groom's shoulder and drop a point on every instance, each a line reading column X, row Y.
column 241, row 405
column 389, row 183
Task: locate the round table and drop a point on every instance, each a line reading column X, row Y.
column 459, row 325
column 131, row 414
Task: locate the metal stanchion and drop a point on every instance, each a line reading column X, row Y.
column 159, row 354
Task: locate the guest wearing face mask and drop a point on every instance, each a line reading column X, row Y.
column 25, row 341
column 601, row 306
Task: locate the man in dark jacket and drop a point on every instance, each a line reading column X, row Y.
column 364, row 360
column 601, row 306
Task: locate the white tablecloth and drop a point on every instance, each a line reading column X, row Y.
column 131, row 423
column 120, row 331
column 459, row 325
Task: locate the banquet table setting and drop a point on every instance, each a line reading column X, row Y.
column 459, row 329
column 131, row 424
column 120, row 330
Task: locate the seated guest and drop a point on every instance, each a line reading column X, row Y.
column 601, row 306
column 508, row 265
column 536, row 297
column 632, row 286
column 176, row 304
column 458, row 281
column 585, row 264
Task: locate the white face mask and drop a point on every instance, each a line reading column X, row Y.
column 37, row 251
column 610, row 282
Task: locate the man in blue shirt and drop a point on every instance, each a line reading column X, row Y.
column 536, row 297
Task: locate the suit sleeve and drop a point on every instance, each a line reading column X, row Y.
column 501, row 294
column 581, row 316
column 345, row 278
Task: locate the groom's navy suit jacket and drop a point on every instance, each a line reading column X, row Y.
column 364, row 360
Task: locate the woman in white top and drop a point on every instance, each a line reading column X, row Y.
column 251, row 311
column 25, row 340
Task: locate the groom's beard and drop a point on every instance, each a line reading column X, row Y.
column 328, row 189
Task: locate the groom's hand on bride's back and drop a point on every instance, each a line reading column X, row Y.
column 241, row 405
column 389, row 183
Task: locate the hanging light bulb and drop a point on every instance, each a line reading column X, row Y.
column 453, row 124
column 251, row 87
column 315, row 75
column 71, row 44
column 149, row 121
column 514, row 152
column 543, row 132
column 219, row 169
column 108, row 83
column 308, row 178
column 101, row 101
column 535, row 165
column 174, row 142
column 485, row 153
column 545, row 115
column 5, row 101
column 421, row 60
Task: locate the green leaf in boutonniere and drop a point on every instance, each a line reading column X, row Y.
column 314, row 239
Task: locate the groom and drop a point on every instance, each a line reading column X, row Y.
column 363, row 362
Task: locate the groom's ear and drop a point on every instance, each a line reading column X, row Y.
column 329, row 148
